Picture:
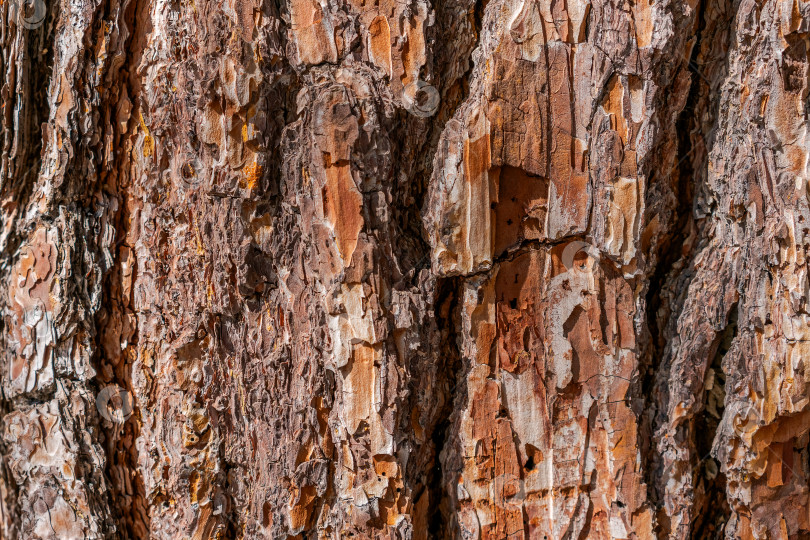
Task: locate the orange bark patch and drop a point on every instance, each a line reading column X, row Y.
column 476, row 165
column 379, row 46
column 568, row 195
column 643, row 17
column 253, row 172
column 614, row 106
column 314, row 38
column 301, row 507
column 358, row 387
column 413, row 53
column 343, row 203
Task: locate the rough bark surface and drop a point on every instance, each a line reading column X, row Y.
column 426, row 269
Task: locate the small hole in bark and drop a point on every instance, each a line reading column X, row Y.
column 530, row 463
column 513, row 303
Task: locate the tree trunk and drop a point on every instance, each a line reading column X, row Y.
column 460, row 269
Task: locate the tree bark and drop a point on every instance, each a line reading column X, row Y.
column 459, row 269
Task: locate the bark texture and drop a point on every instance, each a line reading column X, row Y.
column 406, row 270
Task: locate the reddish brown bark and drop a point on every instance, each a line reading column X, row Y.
column 404, row 270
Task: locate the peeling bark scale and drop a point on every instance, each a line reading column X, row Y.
column 476, row 269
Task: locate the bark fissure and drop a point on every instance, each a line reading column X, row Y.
column 116, row 345
column 670, row 263
column 447, row 305
column 713, row 511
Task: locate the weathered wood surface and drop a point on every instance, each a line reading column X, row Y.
column 462, row 269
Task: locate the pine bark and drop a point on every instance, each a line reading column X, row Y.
column 405, row 270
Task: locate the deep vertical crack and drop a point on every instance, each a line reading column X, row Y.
column 132, row 519
column 674, row 272
column 453, row 374
column 712, row 510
